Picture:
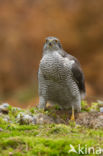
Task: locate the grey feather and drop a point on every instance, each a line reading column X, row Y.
column 61, row 80
column 78, row 74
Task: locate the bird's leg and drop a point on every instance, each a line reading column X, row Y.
column 72, row 116
column 42, row 103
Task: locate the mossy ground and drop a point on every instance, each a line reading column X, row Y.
column 46, row 140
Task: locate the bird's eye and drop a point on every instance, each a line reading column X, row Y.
column 46, row 41
column 56, row 41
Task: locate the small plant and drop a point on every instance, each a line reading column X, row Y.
column 84, row 105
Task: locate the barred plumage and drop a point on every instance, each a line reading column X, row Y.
column 59, row 82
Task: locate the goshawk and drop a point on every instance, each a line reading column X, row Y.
column 61, row 80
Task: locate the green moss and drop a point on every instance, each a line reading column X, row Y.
column 85, row 106
column 2, row 122
column 59, row 129
column 47, row 140
column 30, row 145
column 94, row 106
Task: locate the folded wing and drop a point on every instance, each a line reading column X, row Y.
column 78, row 75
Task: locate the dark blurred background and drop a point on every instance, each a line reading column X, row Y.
column 24, row 24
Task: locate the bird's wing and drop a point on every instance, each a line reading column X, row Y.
column 78, row 75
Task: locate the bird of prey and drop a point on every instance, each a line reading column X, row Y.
column 60, row 77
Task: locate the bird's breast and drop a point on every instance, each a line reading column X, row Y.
column 52, row 66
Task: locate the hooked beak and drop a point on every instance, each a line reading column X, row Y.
column 50, row 43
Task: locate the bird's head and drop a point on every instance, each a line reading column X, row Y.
column 52, row 44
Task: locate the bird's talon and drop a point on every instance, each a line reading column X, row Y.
column 72, row 118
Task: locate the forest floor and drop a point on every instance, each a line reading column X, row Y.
column 51, row 133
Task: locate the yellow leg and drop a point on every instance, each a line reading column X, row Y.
column 72, row 116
